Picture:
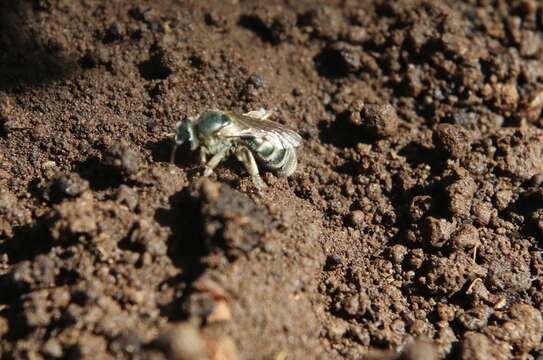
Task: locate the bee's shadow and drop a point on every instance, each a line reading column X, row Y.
column 230, row 170
column 162, row 150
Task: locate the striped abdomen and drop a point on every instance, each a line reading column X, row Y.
column 281, row 160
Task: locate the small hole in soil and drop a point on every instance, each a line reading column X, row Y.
column 417, row 154
column 255, row 24
column 154, row 68
column 331, row 64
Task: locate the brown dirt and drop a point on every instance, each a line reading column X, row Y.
column 414, row 224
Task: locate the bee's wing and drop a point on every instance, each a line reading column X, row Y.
column 251, row 127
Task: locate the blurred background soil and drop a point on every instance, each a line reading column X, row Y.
column 411, row 230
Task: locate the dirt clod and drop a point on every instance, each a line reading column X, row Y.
column 460, row 195
column 449, row 275
column 503, row 199
column 123, row 159
column 437, row 232
column 65, row 186
column 357, row 217
column 127, row 196
column 183, row 341
column 467, row 237
column 524, row 328
column 478, row 346
column 379, row 120
column 520, row 153
column 453, row 140
column 421, row 350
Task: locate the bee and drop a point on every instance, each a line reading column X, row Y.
column 251, row 137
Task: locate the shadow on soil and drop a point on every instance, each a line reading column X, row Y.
column 99, row 175
column 417, row 154
column 186, row 245
column 27, row 242
column 529, row 206
column 163, row 149
column 343, row 133
column 24, row 59
column 255, row 24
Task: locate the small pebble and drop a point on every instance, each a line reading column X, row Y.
column 333, row 260
column 467, row 237
column 503, row 198
column 52, row 348
column 482, row 213
column 397, row 253
column 537, row 179
column 356, row 217
column 256, row 80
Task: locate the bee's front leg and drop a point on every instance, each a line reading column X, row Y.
column 246, row 157
column 172, row 154
column 213, row 162
column 203, row 155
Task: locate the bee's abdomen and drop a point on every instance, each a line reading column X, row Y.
column 289, row 163
column 282, row 161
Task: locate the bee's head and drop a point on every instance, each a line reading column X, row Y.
column 209, row 122
column 184, row 131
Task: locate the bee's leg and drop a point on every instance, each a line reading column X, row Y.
column 246, row 157
column 213, row 162
column 172, row 155
column 203, row 155
column 261, row 113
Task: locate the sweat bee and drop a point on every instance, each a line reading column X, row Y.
column 251, row 137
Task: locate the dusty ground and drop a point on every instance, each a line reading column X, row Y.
column 414, row 223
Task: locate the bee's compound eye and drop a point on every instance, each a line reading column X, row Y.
column 183, row 132
column 224, row 119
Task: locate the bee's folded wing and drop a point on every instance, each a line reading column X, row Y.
column 265, row 129
column 284, row 139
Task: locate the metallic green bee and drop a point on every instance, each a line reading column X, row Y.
column 251, row 137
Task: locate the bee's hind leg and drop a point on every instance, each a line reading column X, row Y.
column 246, row 157
column 261, row 114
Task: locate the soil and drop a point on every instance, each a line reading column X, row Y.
column 412, row 228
